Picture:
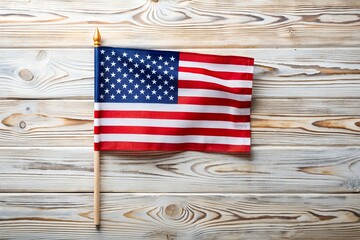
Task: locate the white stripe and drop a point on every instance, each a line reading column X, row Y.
column 186, row 92
column 171, row 108
column 207, row 78
column 171, row 139
column 218, row 67
column 148, row 122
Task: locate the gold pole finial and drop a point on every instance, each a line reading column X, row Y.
column 97, row 38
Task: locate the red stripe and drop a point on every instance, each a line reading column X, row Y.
column 212, row 86
column 141, row 146
column 197, row 57
column 171, row 131
column 171, row 115
column 217, row 74
column 214, row 101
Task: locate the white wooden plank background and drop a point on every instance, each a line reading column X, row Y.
column 301, row 181
column 179, row 23
column 181, row 216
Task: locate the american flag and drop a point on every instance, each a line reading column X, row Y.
column 171, row 101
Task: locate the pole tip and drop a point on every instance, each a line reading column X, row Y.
column 97, row 38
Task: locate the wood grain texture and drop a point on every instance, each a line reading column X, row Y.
column 169, row 216
column 181, row 23
column 301, row 181
column 266, row 170
column 56, row 123
column 285, row 73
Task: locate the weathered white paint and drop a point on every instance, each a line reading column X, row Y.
column 301, row 180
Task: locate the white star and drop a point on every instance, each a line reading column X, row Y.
column 124, row 96
column 107, row 69
column 142, row 71
column 118, row 69
column 131, row 80
column 160, row 57
column 118, row 91
column 112, row 85
column 171, row 77
column 166, row 82
column 107, row 79
column 166, row 72
column 159, row 67
column 136, row 75
column 172, row 58
column 113, row 53
column 166, row 92
column 136, row 97
column 148, row 56
column 131, row 70
column 130, row 59
column 130, row 91
column 166, row 63
column 113, row 64
column 154, row 62
column 136, row 65
column 125, row 64
column 102, row 63
column 119, row 58
column 148, row 76
column 172, row 87
column 124, row 54
column 142, row 80
column 142, row 60
column 101, row 74
column 101, row 85
column 107, row 91
column 153, row 71
column 124, row 75
column 112, row 74
column 172, row 68
column 154, row 81
column 102, row 51
column 101, row 96
column 159, row 97
column 142, row 91
column 107, row 58
column 147, row 97
column 147, row 65
column 153, row 92
column 159, row 77
column 160, row 87
column 136, row 85
column 124, row 85
column 112, row 96
column 118, row 80
column 148, row 86
column 171, row 98
column 136, row 55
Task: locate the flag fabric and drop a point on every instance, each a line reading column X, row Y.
column 171, row 101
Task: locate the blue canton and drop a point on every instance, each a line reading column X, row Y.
column 136, row 76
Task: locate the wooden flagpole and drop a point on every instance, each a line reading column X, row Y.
column 97, row 39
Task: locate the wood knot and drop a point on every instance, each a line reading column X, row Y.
column 41, row 55
column 22, row 125
column 291, row 31
column 26, row 74
column 173, row 211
